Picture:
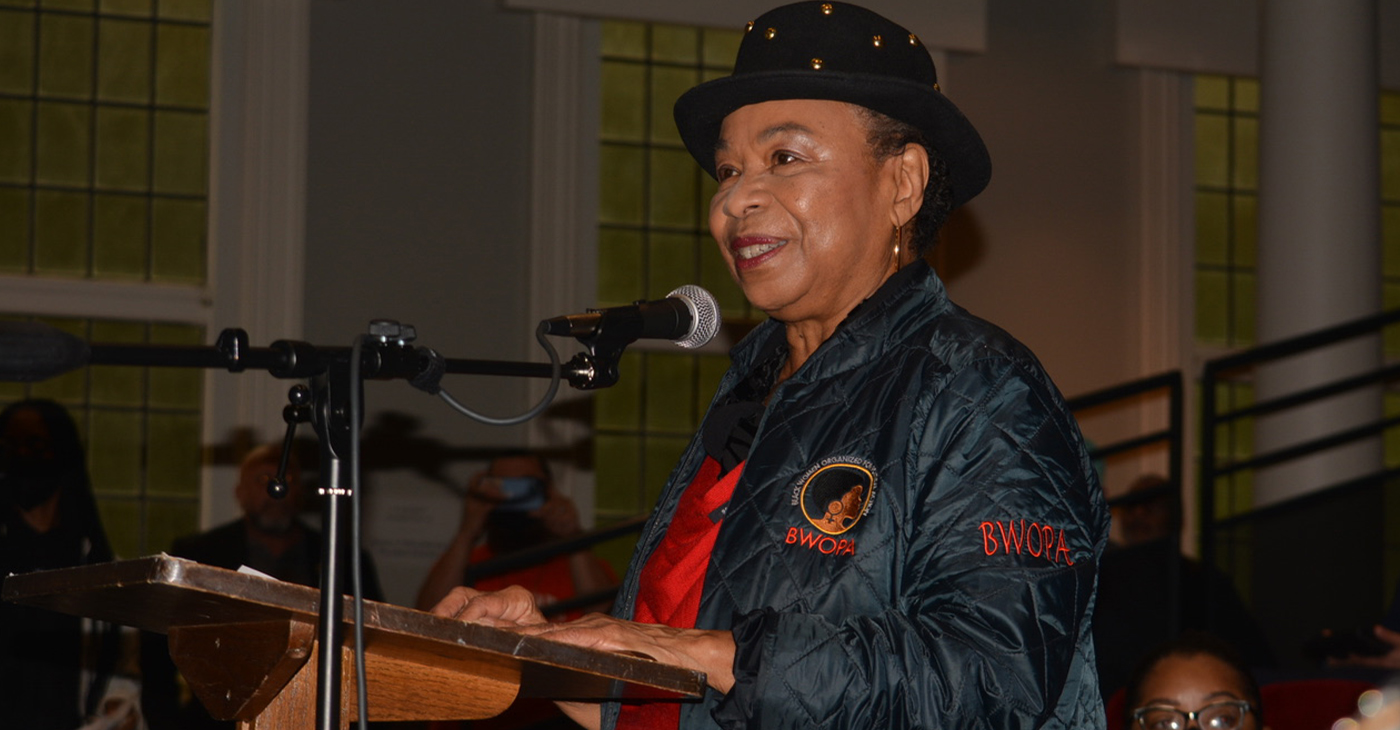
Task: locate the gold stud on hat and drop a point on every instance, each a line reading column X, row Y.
column 913, row 40
column 748, row 27
column 826, row 8
column 878, row 41
column 816, row 64
column 771, row 32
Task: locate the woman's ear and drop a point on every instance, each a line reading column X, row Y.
column 911, row 177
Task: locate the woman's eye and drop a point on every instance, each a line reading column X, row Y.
column 783, row 158
column 724, row 173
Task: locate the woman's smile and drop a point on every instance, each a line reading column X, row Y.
column 751, row 251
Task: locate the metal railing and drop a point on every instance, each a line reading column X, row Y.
column 1248, row 542
column 1232, row 367
column 1173, row 435
column 1139, row 394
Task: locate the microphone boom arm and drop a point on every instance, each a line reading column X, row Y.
column 296, row 359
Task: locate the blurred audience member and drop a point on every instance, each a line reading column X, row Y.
column 510, row 507
column 1149, row 592
column 48, row 519
column 269, row 538
column 1150, row 511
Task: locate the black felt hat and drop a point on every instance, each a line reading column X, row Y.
column 838, row 52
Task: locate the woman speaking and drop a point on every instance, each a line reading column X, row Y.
column 888, row 519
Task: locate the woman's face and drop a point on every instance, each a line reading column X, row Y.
column 804, row 215
column 1192, row 683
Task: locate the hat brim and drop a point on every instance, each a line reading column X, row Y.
column 700, row 114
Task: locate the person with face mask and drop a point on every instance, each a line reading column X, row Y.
column 48, row 519
column 509, row 507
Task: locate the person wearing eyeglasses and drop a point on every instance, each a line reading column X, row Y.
column 1194, row 681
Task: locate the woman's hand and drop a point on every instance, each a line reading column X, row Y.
column 711, row 652
column 513, row 608
column 509, row 608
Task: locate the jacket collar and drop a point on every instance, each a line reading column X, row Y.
column 911, row 295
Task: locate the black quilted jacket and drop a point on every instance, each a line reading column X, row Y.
column 914, row 540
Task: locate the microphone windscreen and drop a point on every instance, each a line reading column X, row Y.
column 30, row 352
column 704, row 313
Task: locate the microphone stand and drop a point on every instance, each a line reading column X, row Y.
column 385, row 354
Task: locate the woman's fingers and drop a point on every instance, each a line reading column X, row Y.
column 509, row 607
column 711, row 652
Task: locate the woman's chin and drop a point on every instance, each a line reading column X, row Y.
column 771, row 289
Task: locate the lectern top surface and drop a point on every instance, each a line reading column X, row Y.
column 160, row 592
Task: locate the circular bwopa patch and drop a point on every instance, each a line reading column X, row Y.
column 836, row 496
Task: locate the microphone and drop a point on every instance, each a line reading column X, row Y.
column 30, row 352
column 688, row 316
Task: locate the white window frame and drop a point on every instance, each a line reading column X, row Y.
column 256, row 228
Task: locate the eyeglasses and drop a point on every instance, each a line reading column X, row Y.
column 1227, row 715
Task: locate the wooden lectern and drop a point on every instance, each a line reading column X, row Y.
column 246, row 645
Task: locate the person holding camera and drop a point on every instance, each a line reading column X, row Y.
column 509, row 507
column 513, row 506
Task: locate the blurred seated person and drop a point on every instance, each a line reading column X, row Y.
column 1149, row 591
column 48, row 519
column 1149, row 512
column 513, row 506
column 509, row 507
column 268, row 538
column 1196, row 680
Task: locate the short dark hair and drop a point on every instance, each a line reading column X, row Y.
column 888, row 137
column 1190, row 644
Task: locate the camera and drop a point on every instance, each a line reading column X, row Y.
column 522, row 494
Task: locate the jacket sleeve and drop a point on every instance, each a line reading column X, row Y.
column 1002, row 523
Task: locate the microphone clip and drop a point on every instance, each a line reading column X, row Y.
column 597, row 368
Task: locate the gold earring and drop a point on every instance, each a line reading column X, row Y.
column 898, row 239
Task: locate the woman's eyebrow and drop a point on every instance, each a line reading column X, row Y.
column 784, row 128
column 1167, row 701
column 722, row 144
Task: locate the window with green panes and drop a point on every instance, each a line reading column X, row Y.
column 653, row 236
column 104, row 117
column 1390, row 293
column 1227, row 194
column 104, row 149
column 141, row 428
column 1226, row 189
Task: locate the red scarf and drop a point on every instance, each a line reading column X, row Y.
column 673, row 578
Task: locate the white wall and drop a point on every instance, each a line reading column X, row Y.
column 1048, row 250
column 417, row 210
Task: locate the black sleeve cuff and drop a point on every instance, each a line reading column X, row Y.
column 750, row 637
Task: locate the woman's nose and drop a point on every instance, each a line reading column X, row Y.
column 745, row 194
